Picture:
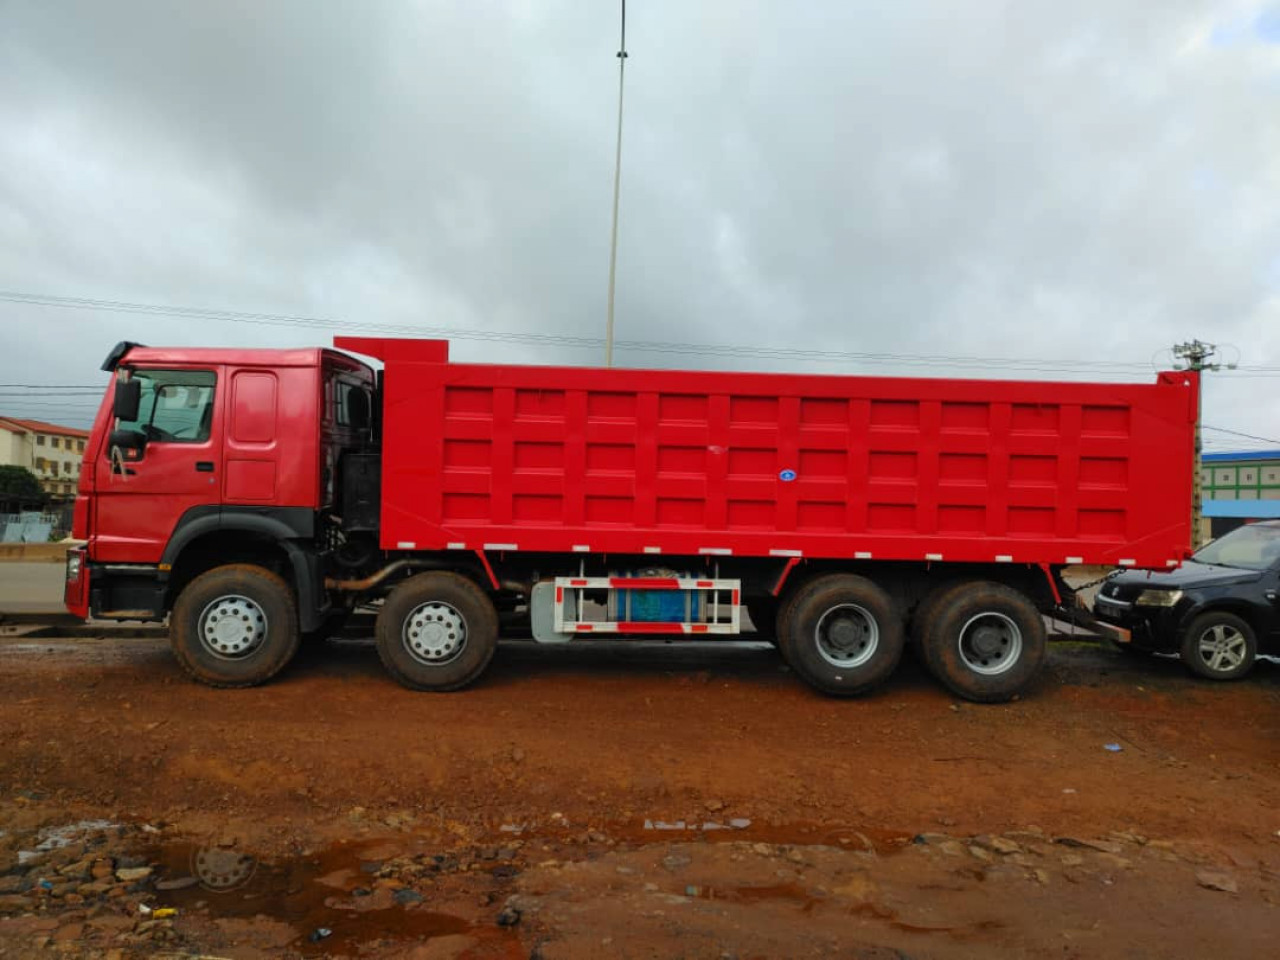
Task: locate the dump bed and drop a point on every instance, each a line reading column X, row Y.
column 490, row 457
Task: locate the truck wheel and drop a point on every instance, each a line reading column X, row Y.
column 1219, row 645
column 923, row 616
column 234, row 626
column 984, row 641
column 437, row 631
column 841, row 634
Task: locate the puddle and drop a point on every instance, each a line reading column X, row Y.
column 55, row 838
column 785, row 892
column 654, row 830
column 329, row 898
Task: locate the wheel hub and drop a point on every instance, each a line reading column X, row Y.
column 847, row 636
column 1222, row 648
column 845, row 633
column 434, row 633
column 990, row 643
column 987, row 641
column 232, row 627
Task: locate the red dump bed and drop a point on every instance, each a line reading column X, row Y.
column 488, row 457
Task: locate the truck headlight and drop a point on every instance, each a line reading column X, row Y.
column 1158, row 598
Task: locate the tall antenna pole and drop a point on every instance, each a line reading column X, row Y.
column 617, row 180
column 1195, row 356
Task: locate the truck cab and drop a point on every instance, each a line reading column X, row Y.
column 201, row 458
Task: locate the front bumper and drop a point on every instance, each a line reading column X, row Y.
column 1151, row 628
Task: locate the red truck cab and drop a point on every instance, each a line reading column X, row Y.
column 226, row 454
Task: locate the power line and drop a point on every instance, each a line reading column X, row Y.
column 1247, row 436
column 562, row 340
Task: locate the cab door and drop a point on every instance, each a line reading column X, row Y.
column 141, row 496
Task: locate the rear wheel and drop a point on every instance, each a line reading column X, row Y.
column 841, row 634
column 234, row 626
column 984, row 641
column 923, row 616
column 1219, row 645
column 437, row 631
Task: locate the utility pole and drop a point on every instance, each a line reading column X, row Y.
column 1196, row 355
column 617, row 180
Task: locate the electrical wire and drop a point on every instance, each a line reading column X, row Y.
column 561, row 340
column 1237, row 433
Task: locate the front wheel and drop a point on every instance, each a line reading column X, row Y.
column 1219, row 646
column 984, row 641
column 437, row 631
column 842, row 634
column 234, row 626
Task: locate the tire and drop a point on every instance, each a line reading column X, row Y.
column 234, row 626
column 437, row 631
column 842, row 634
column 925, row 613
column 1222, row 638
column 984, row 641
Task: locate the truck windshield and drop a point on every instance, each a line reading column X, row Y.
column 176, row 405
column 1252, row 547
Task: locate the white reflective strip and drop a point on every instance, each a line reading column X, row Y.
column 455, row 546
column 652, row 549
column 1171, row 563
column 933, row 556
column 861, row 555
column 612, row 627
column 1075, row 559
column 629, row 583
column 1127, row 563
column 581, row 548
column 406, row 545
column 1003, row 558
column 716, row 551
column 786, row 553
column 501, row 546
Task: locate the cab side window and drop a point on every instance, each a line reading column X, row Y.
column 176, row 405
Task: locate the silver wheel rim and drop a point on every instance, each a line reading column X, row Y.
column 434, row 633
column 1223, row 648
column 232, row 627
column 990, row 643
column 847, row 636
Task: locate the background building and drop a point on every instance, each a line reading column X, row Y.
column 1240, row 488
column 51, row 452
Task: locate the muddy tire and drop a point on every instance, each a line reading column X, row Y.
column 234, row 626
column 1219, row 646
column 984, row 641
column 923, row 616
column 842, row 634
column 437, row 631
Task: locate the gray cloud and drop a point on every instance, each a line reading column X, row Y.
column 1082, row 183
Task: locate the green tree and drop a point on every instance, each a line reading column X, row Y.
column 19, row 483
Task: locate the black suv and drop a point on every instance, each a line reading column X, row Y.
column 1218, row 611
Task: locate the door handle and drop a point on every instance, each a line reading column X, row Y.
column 204, row 466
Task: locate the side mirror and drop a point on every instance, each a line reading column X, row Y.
column 128, row 399
column 358, row 409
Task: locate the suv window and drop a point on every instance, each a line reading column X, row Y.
column 176, row 405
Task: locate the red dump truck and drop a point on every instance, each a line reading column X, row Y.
column 256, row 497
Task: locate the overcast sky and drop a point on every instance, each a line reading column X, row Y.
column 1074, row 185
